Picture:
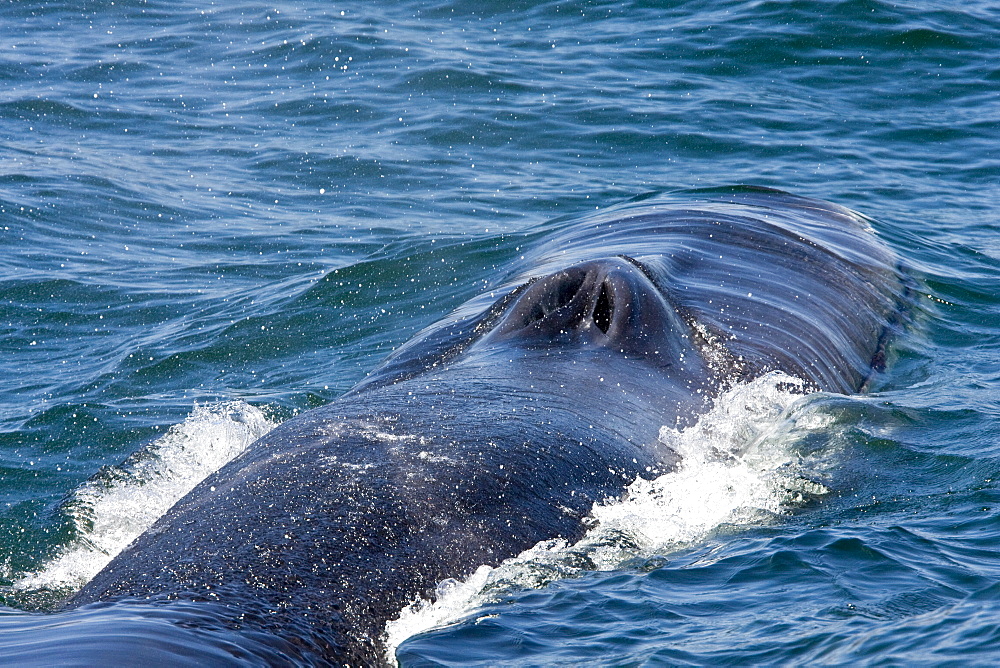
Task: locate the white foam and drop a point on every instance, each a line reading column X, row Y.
column 116, row 506
column 739, row 467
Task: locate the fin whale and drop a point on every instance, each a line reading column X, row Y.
column 501, row 425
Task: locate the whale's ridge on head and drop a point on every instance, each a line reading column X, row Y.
column 720, row 259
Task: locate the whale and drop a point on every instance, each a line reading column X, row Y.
column 503, row 424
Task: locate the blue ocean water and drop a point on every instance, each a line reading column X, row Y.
column 252, row 203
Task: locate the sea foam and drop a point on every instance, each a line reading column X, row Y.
column 121, row 502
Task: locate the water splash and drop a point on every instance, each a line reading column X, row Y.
column 121, row 502
column 740, row 467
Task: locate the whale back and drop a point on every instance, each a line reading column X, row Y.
column 503, row 424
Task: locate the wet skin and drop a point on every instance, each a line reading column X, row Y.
column 501, row 426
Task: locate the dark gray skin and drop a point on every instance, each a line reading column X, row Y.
column 501, row 426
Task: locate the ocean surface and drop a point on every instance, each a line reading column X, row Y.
column 215, row 215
